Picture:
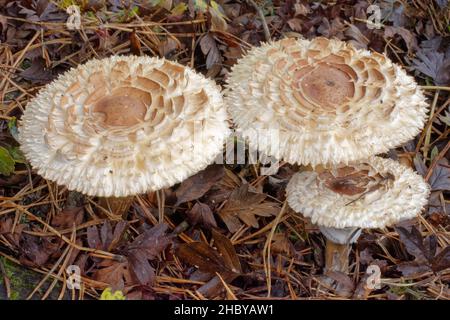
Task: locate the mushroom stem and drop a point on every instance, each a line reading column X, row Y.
column 336, row 256
column 338, row 247
column 118, row 206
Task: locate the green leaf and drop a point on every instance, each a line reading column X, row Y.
column 434, row 153
column 179, row 9
column 17, row 154
column 107, row 294
column 200, row 5
column 12, row 127
column 218, row 9
column 6, row 162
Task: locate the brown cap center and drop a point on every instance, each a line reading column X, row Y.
column 120, row 110
column 328, row 85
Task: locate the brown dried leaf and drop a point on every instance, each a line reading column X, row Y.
column 227, row 251
column 114, row 273
column 201, row 214
column 295, row 24
column 197, row 185
column 203, row 256
column 151, row 243
column 407, row 36
column 423, row 251
column 37, row 72
column 147, row 246
column 68, row 217
column 140, row 268
column 440, row 178
column 442, row 260
column 210, row 49
column 246, row 205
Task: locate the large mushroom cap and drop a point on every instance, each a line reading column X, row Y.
column 124, row 125
column 330, row 102
column 371, row 194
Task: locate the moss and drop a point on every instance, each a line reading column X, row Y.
column 22, row 280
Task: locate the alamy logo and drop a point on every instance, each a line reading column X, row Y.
column 374, row 279
column 74, row 277
column 374, row 17
column 74, row 20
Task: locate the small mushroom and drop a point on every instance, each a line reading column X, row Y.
column 330, row 102
column 124, row 125
column 370, row 194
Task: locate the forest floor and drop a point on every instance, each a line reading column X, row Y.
column 268, row 251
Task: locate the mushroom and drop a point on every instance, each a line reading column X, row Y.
column 330, row 102
column 331, row 105
column 124, row 125
column 342, row 199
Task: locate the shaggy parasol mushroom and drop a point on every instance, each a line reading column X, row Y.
column 330, row 102
column 370, row 194
column 124, row 125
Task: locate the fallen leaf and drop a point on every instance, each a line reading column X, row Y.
column 218, row 22
column 114, row 273
column 141, row 268
column 196, row 186
column 204, row 257
column 433, row 64
column 415, row 245
column 295, row 24
column 440, row 178
column 209, row 48
column 201, row 214
column 6, row 162
column 227, row 251
column 246, row 206
column 407, row 36
column 442, row 260
column 135, row 44
column 147, row 246
column 68, row 217
column 37, row 72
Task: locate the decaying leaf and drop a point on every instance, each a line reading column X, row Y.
column 114, row 273
column 245, row 206
column 196, row 186
column 440, row 179
column 209, row 48
column 424, row 252
column 68, row 218
column 224, row 260
column 201, row 213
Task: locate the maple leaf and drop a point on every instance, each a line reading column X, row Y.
column 245, row 206
column 147, row 246
column 424, row 252
column 113, row 273
column 136, row 268
column 433, row 63
column 106, row 238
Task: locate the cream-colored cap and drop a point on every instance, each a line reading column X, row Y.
column 124, row 125
column 372, row 194
column 327, row 101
